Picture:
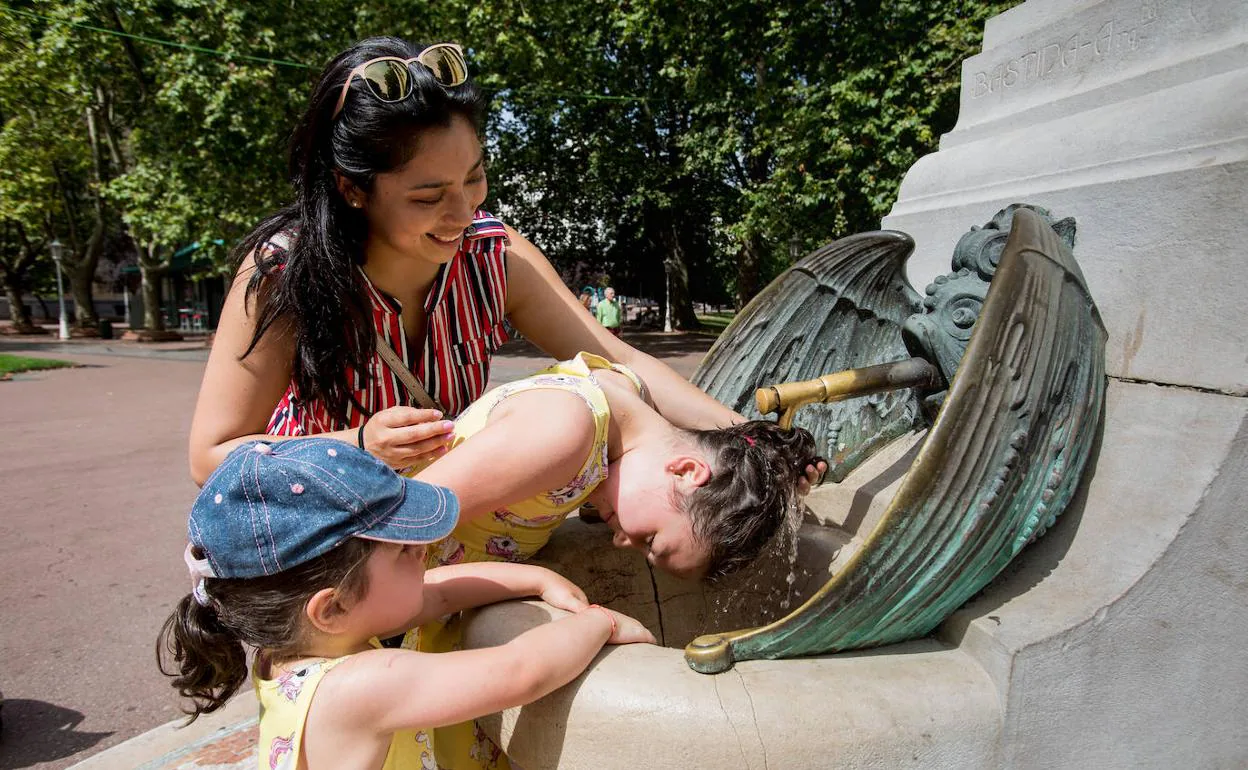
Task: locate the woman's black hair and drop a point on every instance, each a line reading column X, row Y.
column 201, row 646
column 737, row 512
column 311, row 290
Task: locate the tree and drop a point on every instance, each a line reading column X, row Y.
column 684, row 145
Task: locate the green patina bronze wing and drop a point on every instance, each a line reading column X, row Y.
column 1001, row 461
column 840, row 307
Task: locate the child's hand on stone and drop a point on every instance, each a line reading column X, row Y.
column 628, row 630
column 558, row 591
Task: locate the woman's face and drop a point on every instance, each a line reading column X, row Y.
column 422, row 208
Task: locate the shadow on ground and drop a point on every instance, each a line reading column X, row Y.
column 35, row 731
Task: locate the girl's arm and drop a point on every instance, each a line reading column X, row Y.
column 238, row 395
column 381, row 691
column 546, row 313
column 460, row 586
column 534, row 442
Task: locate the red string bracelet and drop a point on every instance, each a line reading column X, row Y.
column 610, row 617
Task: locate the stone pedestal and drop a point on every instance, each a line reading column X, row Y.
column 1132, row 117
column 1115, row 642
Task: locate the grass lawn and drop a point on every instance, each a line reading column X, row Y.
column 716, row 322
column 10, row 364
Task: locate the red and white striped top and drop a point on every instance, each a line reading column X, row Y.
column 464, row 312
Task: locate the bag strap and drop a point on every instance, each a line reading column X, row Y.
column 418, row 393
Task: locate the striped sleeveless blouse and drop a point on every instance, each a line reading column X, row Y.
column 464, row 326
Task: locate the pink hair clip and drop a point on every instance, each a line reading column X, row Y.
column 748, row 440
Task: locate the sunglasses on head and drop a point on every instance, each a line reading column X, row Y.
column 390, row 81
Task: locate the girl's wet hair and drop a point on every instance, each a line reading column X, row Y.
column 757, row 466
column 312, row 291
column 201, row 647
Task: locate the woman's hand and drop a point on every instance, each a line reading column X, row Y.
column 813, row 474
column 558, row 591
column 627, row 630
column 401, row 436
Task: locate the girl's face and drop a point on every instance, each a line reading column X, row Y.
column 395, row 594
column 638, row 502
column 422, row 208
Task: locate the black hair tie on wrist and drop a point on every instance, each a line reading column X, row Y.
column 359, row 437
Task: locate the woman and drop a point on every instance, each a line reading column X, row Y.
column 386, row 253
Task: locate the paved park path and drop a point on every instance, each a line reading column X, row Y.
column 94, row 491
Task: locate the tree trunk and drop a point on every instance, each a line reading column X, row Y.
column 151, row 271
column 82, row 260
column 14, row 266
column 82, row 314
column 749, row 262
column 82, row 269
column 18, row 313
column 677, row 273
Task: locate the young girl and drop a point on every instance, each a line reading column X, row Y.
column 307, row 551
column 696, row 503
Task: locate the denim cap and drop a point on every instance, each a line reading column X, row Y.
column 272, row 506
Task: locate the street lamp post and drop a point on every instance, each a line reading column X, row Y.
column 795, row 247
column 57, row 252
column 667, row 300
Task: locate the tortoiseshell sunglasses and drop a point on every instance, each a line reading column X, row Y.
column 389, row 80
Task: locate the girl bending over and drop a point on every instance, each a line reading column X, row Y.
column 526, row 454
column 698, row 503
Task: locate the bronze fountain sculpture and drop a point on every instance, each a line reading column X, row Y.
column 1002, row 363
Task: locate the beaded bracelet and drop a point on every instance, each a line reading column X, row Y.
column 610, row 617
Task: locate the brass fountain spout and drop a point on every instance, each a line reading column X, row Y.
column 788, row 397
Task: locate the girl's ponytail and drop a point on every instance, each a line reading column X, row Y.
column 211, row 662
column 201, row 646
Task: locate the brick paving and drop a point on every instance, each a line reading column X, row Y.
column 94, row 490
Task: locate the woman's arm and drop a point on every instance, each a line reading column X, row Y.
column 238, row 395
column 546, row 313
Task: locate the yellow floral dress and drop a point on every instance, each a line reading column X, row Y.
column 284, row 704
column 513, row 533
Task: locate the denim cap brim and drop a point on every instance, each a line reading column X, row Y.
column 271, row 506
column 427, row 514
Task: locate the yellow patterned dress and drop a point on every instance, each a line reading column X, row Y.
column 284, row 704
column 513, row 533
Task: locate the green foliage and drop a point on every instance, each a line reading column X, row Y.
column 627, row 138
column 763, row 124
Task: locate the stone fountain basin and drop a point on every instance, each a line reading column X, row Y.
column 923, row 702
